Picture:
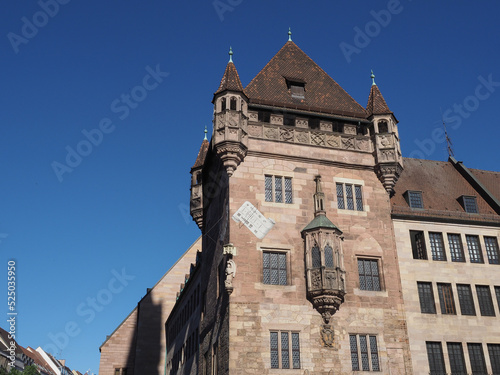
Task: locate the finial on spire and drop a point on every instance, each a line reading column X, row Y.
column 373, row 79
column 205, row 139
column 230, row 54
column 289, row 34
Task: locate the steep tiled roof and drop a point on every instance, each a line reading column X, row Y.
column 441, row 185
column 376, row 103
column 322, row 93
column 320, row 221
column 201, row 154
column 230, row 80
column 491, row 180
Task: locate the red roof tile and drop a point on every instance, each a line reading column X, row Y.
column 376, row 103
column 441, row 185
column 322, row 93
column 201, row 154
column 490, row 180
column 230, row 80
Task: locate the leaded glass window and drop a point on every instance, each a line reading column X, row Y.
column 435, row 357
column 340, row 196
column 437, row 246
column 415, row 199
column 364, row 347
column 282, row 351
column 328, row 256
column 369, row 278
column 456, row 356
column 491, row 245
column 456, row 248
column 316, row 257
column 274, row 268
column 426, row 297
column 476, row 355
column 485, row 301
column 465, row 299
column 494, row 352
column 349, row 197
column 278, row 189
column 475, row 253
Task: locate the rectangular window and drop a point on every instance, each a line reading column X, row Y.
column 446, row 299
column 456, row 248
column 418, row 244
column 282, row 351
column 475, row 253
column 456, row 356
column 426, row 297
column 364, row 347
column 494, row 352
column 436, row 359
column 470, row 204
column 465, row 299
column 437, row 246
column 415, row 199
column 369, row 278
column 497, row 292
column 476, row 355
column 117, row 371
column 349, row 197
column 274, row 268
column 278, row 189
column 485, row 301
column 491, row 245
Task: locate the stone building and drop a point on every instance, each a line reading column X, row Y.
column 324, row 251
column 299, row 266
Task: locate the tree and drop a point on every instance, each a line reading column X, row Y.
column 3, row 371
column 14, row 371
column 30, row 370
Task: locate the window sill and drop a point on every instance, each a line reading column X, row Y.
column 284, row 288
column 370, row 293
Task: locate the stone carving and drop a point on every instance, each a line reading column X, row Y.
column 333, row 141
column 277, row 119
column 271, row 133
column 330, row 280
column 387, row 155
column 317, row 139
column 384, row 141
column 325, row 126
column 350, row 129
column 253, row 116
column 230, row 273
column 348, row 143
column 362, row 144
column 302, row 137
column 255, row 130
column 301, row 123
column 316, row 279
column 327, row 335
column 286, row 134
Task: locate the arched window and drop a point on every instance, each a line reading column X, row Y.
column 223, row 104
column 328, row 256
column 233, row 103
column 382, row 127
column 316, row 257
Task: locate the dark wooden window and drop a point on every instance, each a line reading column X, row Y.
column 369, row 278
column 435, row 357
column 382, row 127
column 476, row 355
column 364, row 353
column 437, row 246
column 264, row 116
column 223, row 104
column 446, row 299
column 418, row 244
column 426, row 297
column 465, row 299
column 274, row 268
column 457, row 360
column 491, row 245
column 494, row 352
column 456, row 248
column 475, row 253
column 485, row 301
column 233, row 103
column 497, row 292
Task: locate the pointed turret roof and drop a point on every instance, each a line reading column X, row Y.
column 376, row 102
column 200, row 160
column 230, row 80
column 322, row 93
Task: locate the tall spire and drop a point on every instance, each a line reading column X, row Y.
column 319, row 198
column 376, row 102
column 289, row 34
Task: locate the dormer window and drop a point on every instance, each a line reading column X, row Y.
column 414, row 199
column 296, row 87
column 469, row 203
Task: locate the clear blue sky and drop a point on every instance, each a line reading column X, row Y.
column 124, row 204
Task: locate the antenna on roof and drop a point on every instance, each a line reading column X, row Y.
column 448, row 140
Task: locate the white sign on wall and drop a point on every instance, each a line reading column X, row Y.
column 253, row 219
